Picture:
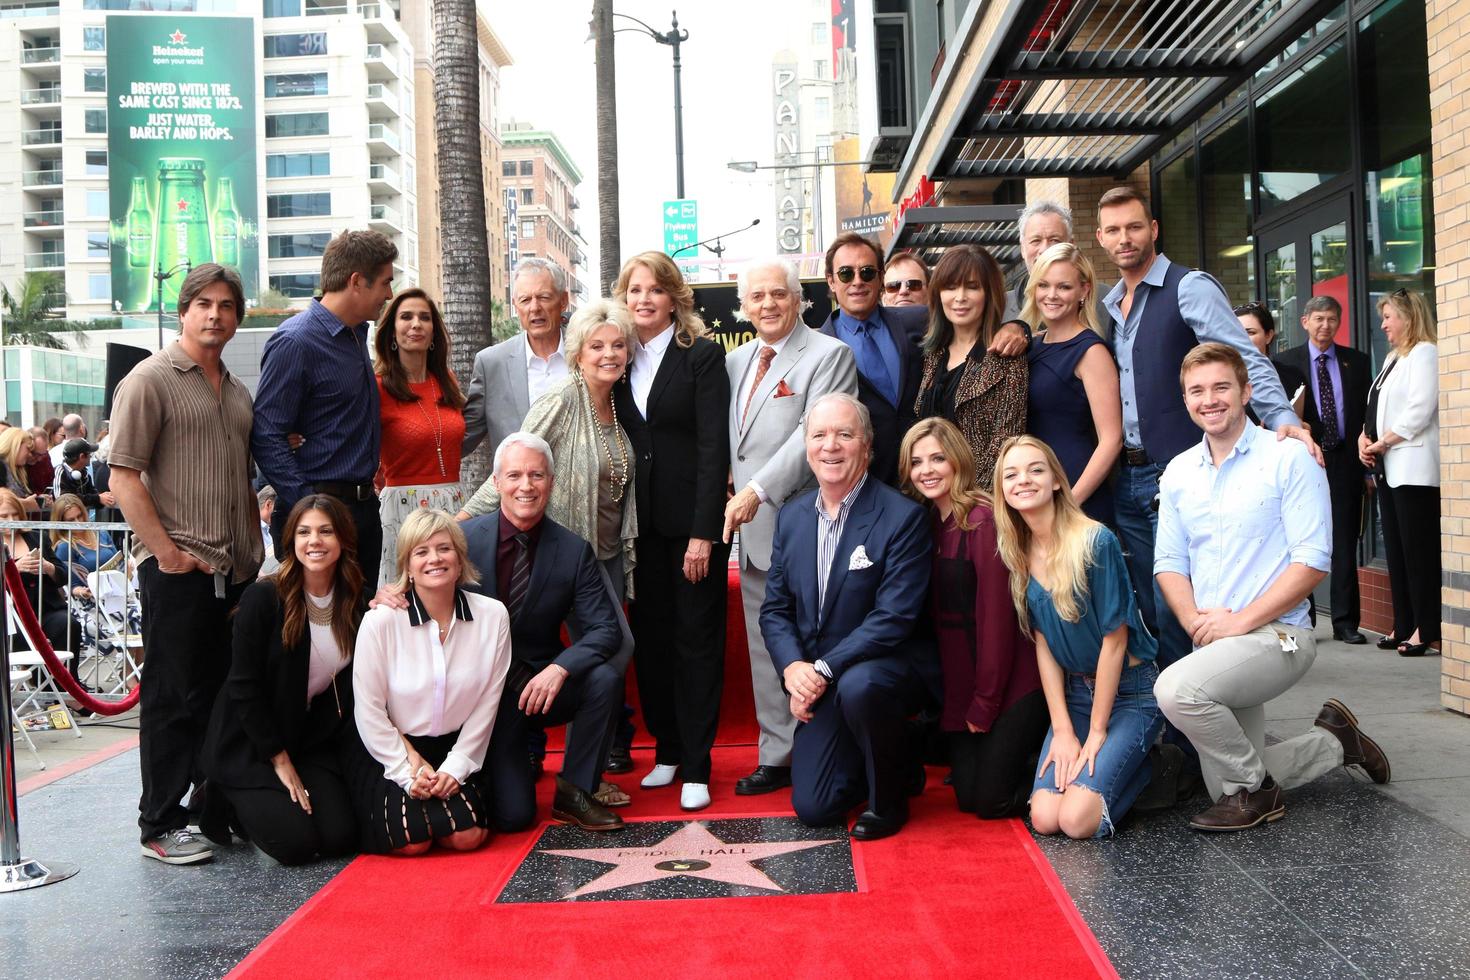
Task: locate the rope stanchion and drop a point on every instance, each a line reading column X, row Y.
column 15, row 585
column 17, row 872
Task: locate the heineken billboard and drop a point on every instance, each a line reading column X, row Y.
column 181, row 152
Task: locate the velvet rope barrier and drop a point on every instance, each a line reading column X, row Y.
column 15, row 585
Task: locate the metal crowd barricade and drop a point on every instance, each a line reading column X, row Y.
column 103, row 630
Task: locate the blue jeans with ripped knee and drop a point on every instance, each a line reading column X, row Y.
column 1122, row 770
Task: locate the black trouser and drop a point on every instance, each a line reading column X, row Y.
column 591, row 702
column 1346, row 487
column 186, row 646
column 993, row 770
column 369, row 524
column 286, row 832
column 679, row 629
column 1410, row 516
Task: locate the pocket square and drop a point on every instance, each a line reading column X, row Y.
column 859, row 559
column 782, row 391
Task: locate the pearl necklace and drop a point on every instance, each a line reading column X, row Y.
column 437, row 426
column 618, row 478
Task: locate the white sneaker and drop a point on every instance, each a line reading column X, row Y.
column 694, row 796
column 660, row 776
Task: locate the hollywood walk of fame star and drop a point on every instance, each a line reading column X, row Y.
column 692, row 851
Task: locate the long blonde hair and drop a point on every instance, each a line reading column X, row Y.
column 1072, row 539
column 1073, row 256
column 964, row 495
column 1414, row 309
column 10, row 442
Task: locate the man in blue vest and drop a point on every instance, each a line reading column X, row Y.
column 1160, row 312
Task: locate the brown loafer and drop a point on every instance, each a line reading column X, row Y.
column 1243, row 809
column 1357, row 749
column 572, row 804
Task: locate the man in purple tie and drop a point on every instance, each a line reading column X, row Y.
column 1337, row 393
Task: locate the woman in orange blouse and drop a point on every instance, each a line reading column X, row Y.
column 422, row 413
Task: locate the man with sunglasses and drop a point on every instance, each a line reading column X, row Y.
column 906, row 281
column 885, row 342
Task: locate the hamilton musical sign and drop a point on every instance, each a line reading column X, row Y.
column 666, row 859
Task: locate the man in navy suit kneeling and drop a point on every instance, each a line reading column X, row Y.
column 848, row 579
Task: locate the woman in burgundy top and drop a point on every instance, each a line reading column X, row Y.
column 994, row 711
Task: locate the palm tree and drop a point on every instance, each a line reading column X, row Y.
column 462, row 235
column 32, row 310
column 609, row 234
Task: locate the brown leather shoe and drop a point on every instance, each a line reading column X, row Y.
column 572, row 804
column 1243, row 809
column 1357, row 749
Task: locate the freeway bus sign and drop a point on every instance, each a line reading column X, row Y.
column 681, row 228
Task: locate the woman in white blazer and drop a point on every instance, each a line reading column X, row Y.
column 1400, row 444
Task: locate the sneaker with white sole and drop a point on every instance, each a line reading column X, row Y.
column 177, row 847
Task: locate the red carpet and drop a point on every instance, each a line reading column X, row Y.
column 950, row 895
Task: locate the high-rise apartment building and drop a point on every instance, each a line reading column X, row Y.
column 539, row 171
column 335, row 150
column 493, row 56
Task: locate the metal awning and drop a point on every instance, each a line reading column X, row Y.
column 1091, row 88
column 928, row 231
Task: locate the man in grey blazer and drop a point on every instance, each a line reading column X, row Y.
column 510, row 376
column 773, row 379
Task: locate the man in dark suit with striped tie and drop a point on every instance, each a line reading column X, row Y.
column 546, row 576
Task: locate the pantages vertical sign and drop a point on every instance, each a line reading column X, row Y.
column 181, row 151
column 786, row 100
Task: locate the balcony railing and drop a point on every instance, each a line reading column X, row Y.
column 382, row 134
column 383, row 173
column 375, row 52
column 40, row 56
column 40, row 137
column 45, row 260
column 385, row 214
column 38, row 10
column 324, row 9
column 44, row 219
column 41, row 178
column 41, row 96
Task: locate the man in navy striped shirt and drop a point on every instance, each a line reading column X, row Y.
column 316, row 379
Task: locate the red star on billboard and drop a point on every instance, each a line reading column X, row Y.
column 177, row 36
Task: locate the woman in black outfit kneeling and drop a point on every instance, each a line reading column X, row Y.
column 284, row 717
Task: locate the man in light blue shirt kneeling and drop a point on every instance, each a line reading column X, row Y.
column 1245, row 532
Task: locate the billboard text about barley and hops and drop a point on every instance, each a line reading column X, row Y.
column 181, row 152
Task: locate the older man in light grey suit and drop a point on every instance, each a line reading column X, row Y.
column 773, row 379
column 510, row 376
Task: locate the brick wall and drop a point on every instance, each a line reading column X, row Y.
column 1448, row 24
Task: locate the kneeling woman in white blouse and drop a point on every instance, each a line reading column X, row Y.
column 427, row 681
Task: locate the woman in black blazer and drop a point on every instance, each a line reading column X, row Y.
column 284, row 718
column 675, row 405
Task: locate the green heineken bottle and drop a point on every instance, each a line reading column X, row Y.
column 183, row 221
column 226, row 225
column 140, row 226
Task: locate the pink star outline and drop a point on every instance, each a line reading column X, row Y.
column 177, row 36
column 692, row 842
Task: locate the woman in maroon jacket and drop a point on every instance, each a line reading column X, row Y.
column 994, row 711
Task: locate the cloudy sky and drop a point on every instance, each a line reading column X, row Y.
column 727, row 108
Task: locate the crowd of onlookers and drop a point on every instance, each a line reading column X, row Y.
column 1077, row 532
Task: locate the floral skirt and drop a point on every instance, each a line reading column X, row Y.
column 394, row 506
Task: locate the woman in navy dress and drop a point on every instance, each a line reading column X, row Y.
column 1073, row 404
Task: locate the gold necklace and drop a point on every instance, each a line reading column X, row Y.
column 318, row 615
column 437, row 426
column 618, row 479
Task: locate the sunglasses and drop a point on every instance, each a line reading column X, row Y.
column 912, row 285
column 867, row 273
column 1250, row 309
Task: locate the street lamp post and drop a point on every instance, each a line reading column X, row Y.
column 750, row 167
column 161, row 277
column 673, row 39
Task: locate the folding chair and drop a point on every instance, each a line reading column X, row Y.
column 43, row 689
column 18, row 676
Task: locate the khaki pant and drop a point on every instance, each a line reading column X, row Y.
column 1217, row 696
